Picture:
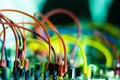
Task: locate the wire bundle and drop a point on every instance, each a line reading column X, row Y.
column 61, row 67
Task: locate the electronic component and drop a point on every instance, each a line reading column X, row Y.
column 38, row 59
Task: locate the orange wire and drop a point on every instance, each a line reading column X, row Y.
column 11, row 10
column 24, row 42
column 15, row 25
column 66, row 12
column 55, row 30
column 39, row 34
column 70, row 14
column 4, row 40
column 52, row 26
column 2, row 31
column 4, row 18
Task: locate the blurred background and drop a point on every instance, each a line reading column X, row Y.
column 98, row 11
column 95, row 16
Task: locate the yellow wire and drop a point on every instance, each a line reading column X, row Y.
column 109, row 28
column 37, row 44
column 102, row 48
column 70, row 39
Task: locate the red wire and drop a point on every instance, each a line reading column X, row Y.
column 67, row 12
column 16, row 39
column 70, row 14
column 4, row 40
column 38, row 33
column 15, row 25
column 11, row 10
column 14, row 30
column 23, row 39
column 56, row 31
column 24, row 43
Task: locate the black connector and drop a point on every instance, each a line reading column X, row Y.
column 27, row 75
column 5, row 74
column 32, row 71
column 51, row 68
column 77, row 72
column 37, row 71
column 56, row 67
column 22, row 72
column 54, row 75
column 37, row 74
column 37, row 66
column 72, row 73
column 16, row 73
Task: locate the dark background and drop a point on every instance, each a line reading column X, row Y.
column 81, row 9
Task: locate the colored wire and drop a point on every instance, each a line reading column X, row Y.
column 24, row 44
column 6, row 54
column 52, row 26
column 55, row 30
column 69, row 39
column 102, row 48
column 23, row 41
column 110, row 29
column 3, row 31
column 16, row 38
column 19, row 35
column 11, row 10
column 23, row 55
column 105, row 40
column 4, row 40
column 15, row 25
column 35, row 24
column 68, row 13
column 38, row 42
column 52, row 47
column 37, row 45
